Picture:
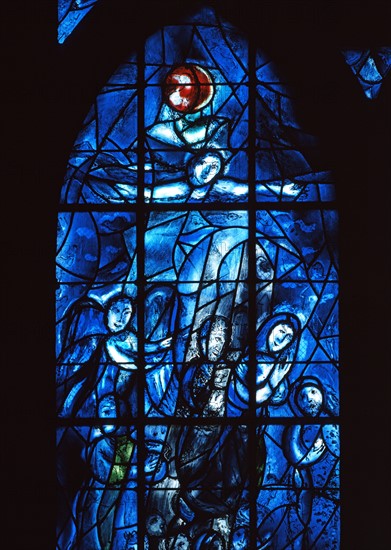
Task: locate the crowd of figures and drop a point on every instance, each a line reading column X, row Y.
column 196, row 475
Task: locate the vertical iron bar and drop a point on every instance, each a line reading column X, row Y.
column 252, row 295
column 140, row 230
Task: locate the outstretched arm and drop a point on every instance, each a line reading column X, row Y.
column 155, row 347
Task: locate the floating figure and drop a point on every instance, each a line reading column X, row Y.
column 103, row 363
column 193, row 168
column 187, row 152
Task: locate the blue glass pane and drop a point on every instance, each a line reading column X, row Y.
column 97, row 348
column 207, row 40
column 297, row 309
column 103, row 461
column 95, row 247
column 197, row 151
column 197, row 263
column 102, row 168
column 299, row 486
column 70, row 13
column 370, row 66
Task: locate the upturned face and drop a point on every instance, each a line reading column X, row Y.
column 119, row 315
column 155, row 525
column 107, row 409
column 280, row 337
column 310, row 400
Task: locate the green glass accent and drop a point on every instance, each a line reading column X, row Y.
column 123, row 454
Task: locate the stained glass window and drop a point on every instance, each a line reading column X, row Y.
column 197, row 307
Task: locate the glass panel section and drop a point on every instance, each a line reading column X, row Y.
column 97, row 473
column 204, row 489
column 286, row 165
column 298, row 503
column 97, row 352
column 102, row 168
column 196, row 113
column 370, row 66
column 197, row 262
column 70, row 13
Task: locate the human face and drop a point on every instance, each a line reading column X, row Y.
column 107, row 409
column 263, row 266
column 280, row 337
column 310, row 400
column 155, row 525
column 216, row 343
column 220, row 378
column 118, row 315
column 181, row 543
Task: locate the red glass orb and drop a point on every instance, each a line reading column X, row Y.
column 188, row 88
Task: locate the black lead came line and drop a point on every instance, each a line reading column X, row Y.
column 207, row 206
column 140, row 230
column 252, row 294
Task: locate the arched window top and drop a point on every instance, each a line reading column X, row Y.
column 197, row 118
